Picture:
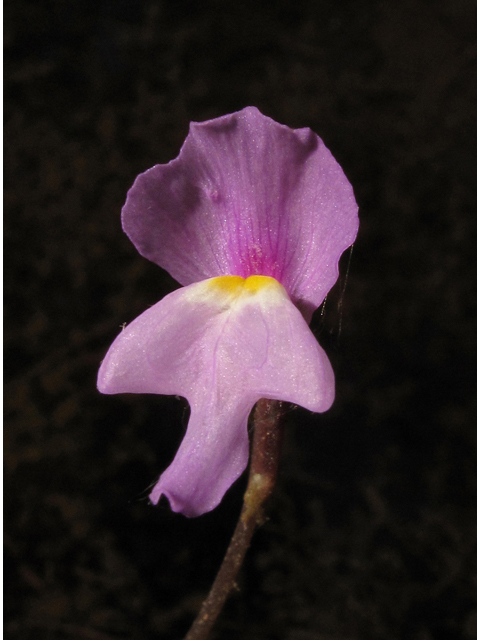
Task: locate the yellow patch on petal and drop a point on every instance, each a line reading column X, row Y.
column 227, row 284
column 253, row 284
column 231, row 291
column 236, row 285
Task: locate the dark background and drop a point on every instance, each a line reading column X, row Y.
column 371, row 531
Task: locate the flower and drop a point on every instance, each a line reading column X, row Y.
column 251, row 218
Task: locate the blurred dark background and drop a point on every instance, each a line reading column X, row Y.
column 372, row 528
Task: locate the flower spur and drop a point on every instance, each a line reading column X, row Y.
column 251, row 218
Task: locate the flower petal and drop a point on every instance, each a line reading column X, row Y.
column 223, row 343
column 246, row 196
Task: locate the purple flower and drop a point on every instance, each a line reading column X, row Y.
column 251, row 218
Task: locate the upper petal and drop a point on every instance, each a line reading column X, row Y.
column 223, row 343
column 246, row 196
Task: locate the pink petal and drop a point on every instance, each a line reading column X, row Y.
column 223, row 346
column 246, row 196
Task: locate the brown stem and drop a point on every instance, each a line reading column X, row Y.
column 263, row 470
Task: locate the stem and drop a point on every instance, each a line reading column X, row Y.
column 266, row 445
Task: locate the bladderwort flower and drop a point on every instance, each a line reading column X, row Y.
column 251, row 218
